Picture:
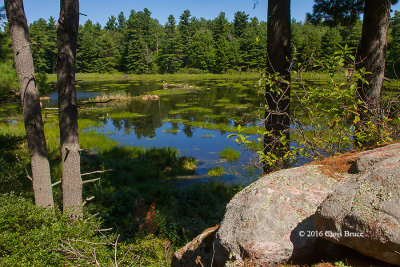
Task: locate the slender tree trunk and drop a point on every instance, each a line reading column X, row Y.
column 371, row 56
column 67, row 32
column 277, row 120
column 30, row 102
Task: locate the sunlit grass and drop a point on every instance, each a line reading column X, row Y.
column 229, row 154
column 217, row 171
column 158, row 77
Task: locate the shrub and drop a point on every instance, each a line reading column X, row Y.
column 34, row 236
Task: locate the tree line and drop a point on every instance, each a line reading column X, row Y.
column 139, row 44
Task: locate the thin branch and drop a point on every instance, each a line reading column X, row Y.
column 23, row 165
column 88, row 173
column 88, row 199
column 91, row 181
column 115, row 251
column 56, row 183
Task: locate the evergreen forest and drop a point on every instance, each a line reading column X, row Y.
column 139, row 44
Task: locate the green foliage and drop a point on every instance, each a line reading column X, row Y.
column 139, row 44
column 8, row 82
column 34, row 236
column 325, row 117
column 230, row 154
column 185, row 212
column 44, row 48
column 335, row 13
column 170, row 49
column 393, row 63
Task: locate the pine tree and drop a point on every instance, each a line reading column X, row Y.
column 201, row 53
column 169, row 59
column 221, row 44
column 185, row 35
column 394, row 54
column 88, row 49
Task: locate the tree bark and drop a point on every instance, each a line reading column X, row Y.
column 371, row 55
column 67, row 32
column 30, row 103
column 277, row 120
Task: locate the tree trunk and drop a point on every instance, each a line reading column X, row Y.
column 30, row 102
column 371, row 56
column 67, row 32
column 277, row 120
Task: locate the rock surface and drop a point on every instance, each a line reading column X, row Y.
column 364, row 213
column 368, row 159
column 272, row 219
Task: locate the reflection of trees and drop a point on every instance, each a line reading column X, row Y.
column 187, row 129
column 156, row 111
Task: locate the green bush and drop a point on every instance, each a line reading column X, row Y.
column 34, row 236
column 8, row 82
column 184, row 213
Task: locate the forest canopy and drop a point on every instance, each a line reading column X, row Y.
column 138, row 43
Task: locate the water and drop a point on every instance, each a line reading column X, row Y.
column 169, row 121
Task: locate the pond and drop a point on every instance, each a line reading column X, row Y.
column 195, row 117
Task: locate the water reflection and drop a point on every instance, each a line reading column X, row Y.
column 169, row 121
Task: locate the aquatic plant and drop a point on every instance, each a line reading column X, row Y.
column 217, row 171
column 173, row 131
column 229, row 154
column 115, row 96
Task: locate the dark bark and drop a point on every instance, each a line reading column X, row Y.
column 277, row 120
column 371, row 56
column 67, row 32
column 30, row 103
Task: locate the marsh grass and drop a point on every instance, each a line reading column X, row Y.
column 229, row 154
column 217, row 171
column 173, row 131
column 195, row 110
column 222, row 127
column 115, row 96
column 207, row 136
column 158, row 77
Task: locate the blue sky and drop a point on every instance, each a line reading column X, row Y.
column 100, row 10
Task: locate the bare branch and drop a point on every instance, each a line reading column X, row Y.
column 115, row 252
column 56, row 183
column 91, row 181
column 23, row 165
column 88, row 199
column 88, row 173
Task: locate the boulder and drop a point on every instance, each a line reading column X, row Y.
column 198, row 252
column 364, row 212
column 368, row 159
column 271, row 221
